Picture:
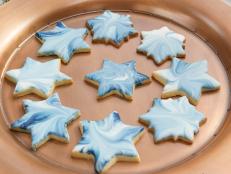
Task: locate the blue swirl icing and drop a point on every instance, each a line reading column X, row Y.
column 111, row 27
column 162, row 44
column 173, row 119
column 188, row 79
column 107, row 140
column 117, row 78
column 63, row 41
column 45, row 119
column 37, row 77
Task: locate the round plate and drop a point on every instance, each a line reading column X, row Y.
column 154, row 157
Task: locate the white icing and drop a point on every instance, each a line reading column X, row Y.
column 161, row 44
column 36, row 76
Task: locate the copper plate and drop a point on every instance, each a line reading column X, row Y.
column 208, row 37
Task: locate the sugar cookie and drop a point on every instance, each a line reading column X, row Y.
column 108, row 141
column 111, row 28
column 44, row 120
column 120, row 79
column 188, row 79
column 37, row 77
column 173, row 119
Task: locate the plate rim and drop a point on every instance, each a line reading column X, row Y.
column 5, row 48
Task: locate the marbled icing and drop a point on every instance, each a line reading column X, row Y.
column 37, row 77
column 45, row 119
column 187, row 78
column 3, row 1
column 63, row 41
column 173, row 119
column 111, row 27
column 162, row 44
column 117, row 78
column 108, row 139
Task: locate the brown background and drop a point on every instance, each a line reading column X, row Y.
column 81, row 95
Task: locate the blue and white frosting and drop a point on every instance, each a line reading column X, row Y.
column 162, row 44
column 45, row 119
column 108, row 141
column 188, row 79
column 111, row 28
column 63, row 41
column 37, row 77
column 3, row 1
column 173, row 119
column 117, row 78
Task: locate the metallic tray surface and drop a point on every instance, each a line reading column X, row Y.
column 206, row 37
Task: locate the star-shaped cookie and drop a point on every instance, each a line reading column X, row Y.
column 162, row 44
column 63, row 42
column 108, row 141
column 188, row 79
column 173, row 119
column 46, row 119
column 37, row 77
column 111, row 28
column 120, row 79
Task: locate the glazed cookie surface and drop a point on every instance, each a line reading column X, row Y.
column 162, row 44
column 108, row 141
column 111, row 28
column 44, row 120
column 63, row 42
column 173, row 119
column 120, row 79
column 37, row 77
column 188, row 79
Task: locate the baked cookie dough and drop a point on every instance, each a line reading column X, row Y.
column 120, row 79
column 111, row 28
column 62, row 41
column 162, row 44
column 189, row 79
column 37, row 77
column 108, row 141
column 173, row 119
column 44, row 120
